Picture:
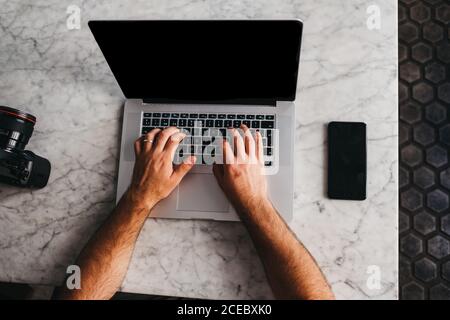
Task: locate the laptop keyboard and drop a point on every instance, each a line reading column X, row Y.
column 201, row 125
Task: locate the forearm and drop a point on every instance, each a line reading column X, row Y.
column 104, row 261
column 291, row 270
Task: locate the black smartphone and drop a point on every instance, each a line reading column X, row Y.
column 347, row 160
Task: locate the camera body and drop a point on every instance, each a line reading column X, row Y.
column 20, row 167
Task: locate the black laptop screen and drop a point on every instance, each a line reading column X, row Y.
column 202, row 61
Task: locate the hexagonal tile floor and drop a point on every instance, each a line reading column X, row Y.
column 424, row 89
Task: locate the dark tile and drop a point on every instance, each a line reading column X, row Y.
column 403, row 177
column 443, row 13
column 438, row 247
column 402, row 14
column 402, row 92
column 411, row 199
column 409, row 72
column 424, row 178
column 411, row 245
column 402, row 52
column 437, row 201
column 444, row 92
column 436, row 156
column 423, row 134
column 435, row 72
column 425, row 269
column 403, row 133
column 413, row 291
column 443, row 52
column 421, row 52
column 435, row 113
column 444, row 134
column 445, row 224
column 403, row 224
column 445, row 178
column 446, row 271
column 433, row 31
column 405, row 272
column 408, row 32
column 424, row 223
column 420, row 13
column 422, row 92
column 411, row 155
column 410, row 112
column 440, row 292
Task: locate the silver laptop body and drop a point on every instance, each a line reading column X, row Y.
column 199, row 196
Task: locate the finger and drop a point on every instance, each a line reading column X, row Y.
column 218, row 173
column 163, row 137
column 259, row 147
column 239, row 148
column 181, row 170
column 228, row 155
column 173, row 143
column 249, row 142
column 138, row 146
column 148, row 140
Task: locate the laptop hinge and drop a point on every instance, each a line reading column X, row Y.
column 256, row 102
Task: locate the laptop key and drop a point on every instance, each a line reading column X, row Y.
column 164, row 122
column 212, row 116
column 203, row 116
column 191, row 123
column 209, row 123
column 182, row 122
column 270, row 117
column 236, row 123
column 193, row 115
column 241, row 116
column 267, row 151
column 222, row 116
column 156, row 114
column 267, row 124
column 255, row 124
column 218, row 123
column 155, row 122
column 184, row 115
column 166, row 115
column 173, row 122
column 231, row 116
column 146, row 122
column 146, row 130
column 259, row 116
column 228, row 123
column 147, row 115
column 250, row 116
column 247, row 123
column 175, row 115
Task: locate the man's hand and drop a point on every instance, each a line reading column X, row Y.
column 154, row 175
column 241, row 176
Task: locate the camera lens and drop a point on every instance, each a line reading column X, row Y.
column 16, row 128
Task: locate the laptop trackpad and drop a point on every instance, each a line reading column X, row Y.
column 200, row 192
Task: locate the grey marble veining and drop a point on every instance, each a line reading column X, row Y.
column 347, row 72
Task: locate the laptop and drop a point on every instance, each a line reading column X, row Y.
column 203, row 75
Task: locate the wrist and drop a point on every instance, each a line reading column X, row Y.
column 139, row 201
column 254, row 205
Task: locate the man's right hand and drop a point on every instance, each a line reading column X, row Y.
column 241, row 176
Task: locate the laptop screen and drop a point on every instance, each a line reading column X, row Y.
column 202, row 61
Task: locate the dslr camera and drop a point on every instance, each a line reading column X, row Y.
column 20, row 167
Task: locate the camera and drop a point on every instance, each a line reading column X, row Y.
column 20, row 167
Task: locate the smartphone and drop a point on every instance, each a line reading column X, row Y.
column 347, row 160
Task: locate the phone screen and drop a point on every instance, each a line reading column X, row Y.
column 347, row 168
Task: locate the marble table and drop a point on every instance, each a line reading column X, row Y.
column 347, row 72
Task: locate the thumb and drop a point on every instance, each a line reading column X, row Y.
column 181, row 170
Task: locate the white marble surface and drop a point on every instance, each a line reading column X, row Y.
column 347, row 72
